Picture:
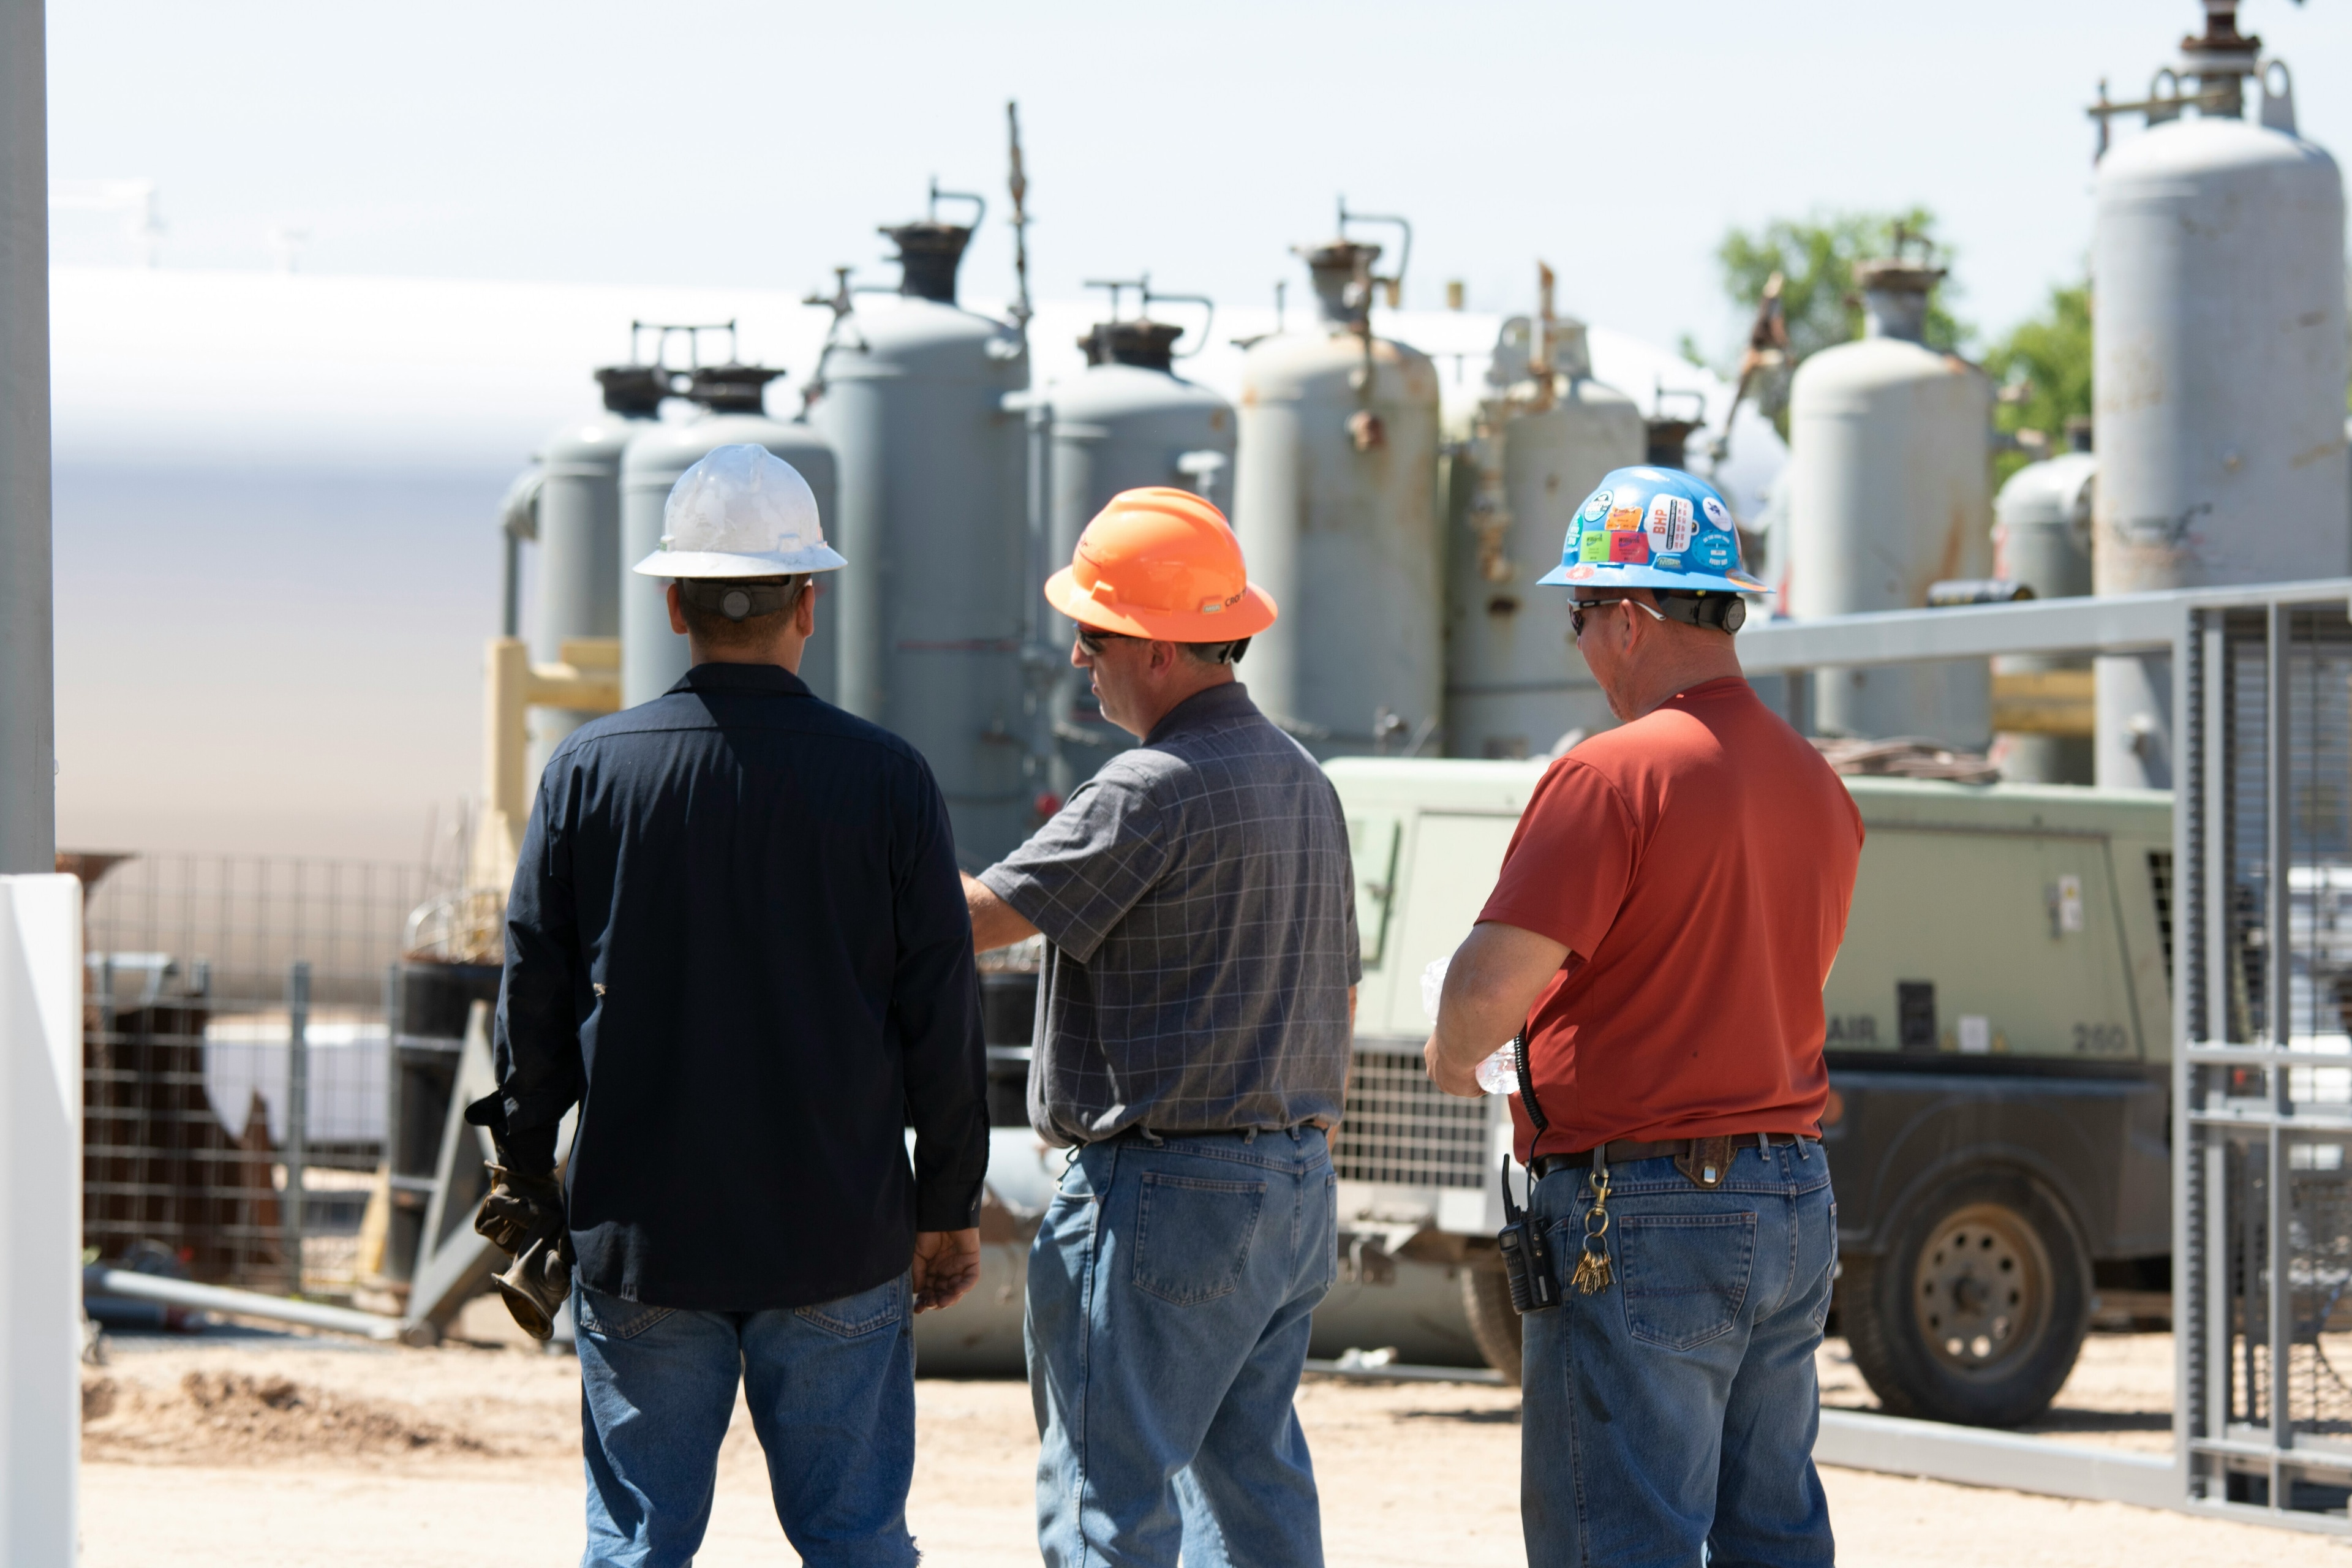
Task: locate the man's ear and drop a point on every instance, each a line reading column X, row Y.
column 804, row 612
column 1164, row 656
column 676, row 615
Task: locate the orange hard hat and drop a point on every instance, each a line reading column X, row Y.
column 1161, row 564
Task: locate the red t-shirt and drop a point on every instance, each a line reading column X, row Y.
column 1697, row 863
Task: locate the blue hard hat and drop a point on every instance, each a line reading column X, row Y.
column 1654, row 527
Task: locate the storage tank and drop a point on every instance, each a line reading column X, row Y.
column 579, row 588
column 1545, row 434
column 731, row 397
column 1889, row 482
column 1128, row 421
column 933, row 522
column 2218, row 376
column 1336, row 503
column 2042, row 539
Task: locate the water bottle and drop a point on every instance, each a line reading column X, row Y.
column 1498, row 1074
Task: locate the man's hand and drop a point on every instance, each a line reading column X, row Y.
column 520, row 1209
column 1491, row 983
column 1450, row 1076
column 947, row 1265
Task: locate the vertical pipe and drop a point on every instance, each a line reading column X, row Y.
column 2212, row 891
column 27, row 716
column 298, row 1117
column 2278, row 949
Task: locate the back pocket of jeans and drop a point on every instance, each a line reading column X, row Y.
column 1192, row 1236
column 851, row 1316
column 615, row 1318
column 1684, row 1276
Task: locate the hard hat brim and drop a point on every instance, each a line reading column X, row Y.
column 1601, row 573
column 1249, row 616
column 730, row 563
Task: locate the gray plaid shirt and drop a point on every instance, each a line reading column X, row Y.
column 1201, row 913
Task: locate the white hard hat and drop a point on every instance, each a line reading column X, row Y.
column 742, row 512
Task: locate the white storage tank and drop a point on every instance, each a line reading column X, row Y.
column 933, row 604
column 1545, row 435
column 579, row 588
column 2042, row 539
column 1335, row 504
column 2218, row 375
column 1889, row 485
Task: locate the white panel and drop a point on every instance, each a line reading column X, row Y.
column 1452, row 861
column 40, row 1218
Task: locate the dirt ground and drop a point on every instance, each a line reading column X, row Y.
column 270, row 1450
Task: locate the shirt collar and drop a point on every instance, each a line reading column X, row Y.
column 1226, row 700
column 772, row 678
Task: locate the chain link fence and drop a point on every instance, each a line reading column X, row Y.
column 236, row 1062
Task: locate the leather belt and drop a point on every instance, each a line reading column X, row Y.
column 1680, row 1149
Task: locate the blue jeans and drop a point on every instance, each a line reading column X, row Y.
column 832, row 1392
column 1678, row 1405
column 1169, row 1288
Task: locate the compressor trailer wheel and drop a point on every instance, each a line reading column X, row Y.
column 1978, row 1311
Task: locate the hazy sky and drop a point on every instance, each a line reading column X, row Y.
column 714, row 142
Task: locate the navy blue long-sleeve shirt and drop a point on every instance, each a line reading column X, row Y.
column 737, row 938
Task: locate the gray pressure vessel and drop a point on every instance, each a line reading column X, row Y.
column 932, row 605
column 580, row 533
column 652, row 655
column 2218, row 372
column 1890, row 467
column 1128, row 423
column 1336, row 503
column 1545, row 435
column 2042, row 537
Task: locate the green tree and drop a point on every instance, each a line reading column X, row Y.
column 2043, row 370
column 1816, row 258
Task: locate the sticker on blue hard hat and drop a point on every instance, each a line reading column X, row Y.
column 1597, row 507
column 1668, row 563
column 1593, row 545
column 1716, row 512
column 1629, row 549
column 1579, row 574
column 1714, row 551
column 1669, row 523
column 1625, row 518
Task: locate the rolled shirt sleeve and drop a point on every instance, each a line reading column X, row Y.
column 935, row 1004
column 1078, row 876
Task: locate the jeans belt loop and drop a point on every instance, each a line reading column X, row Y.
column 1249, row 1136
column 1152, row 1138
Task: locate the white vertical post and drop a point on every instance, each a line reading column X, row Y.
column 294, row 1214
column 28, row 817
column 40, row 1218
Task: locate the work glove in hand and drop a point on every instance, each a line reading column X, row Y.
column 521, row 1209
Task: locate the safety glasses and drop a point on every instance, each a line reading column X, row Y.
column 1094, row 641
column 1580, row 608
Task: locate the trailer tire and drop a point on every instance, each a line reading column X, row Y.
column 1977, row 1312
column 1494, row 1324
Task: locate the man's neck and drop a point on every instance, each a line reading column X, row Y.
column 1211, row 676
column 781, row 658
column 1686, row 668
